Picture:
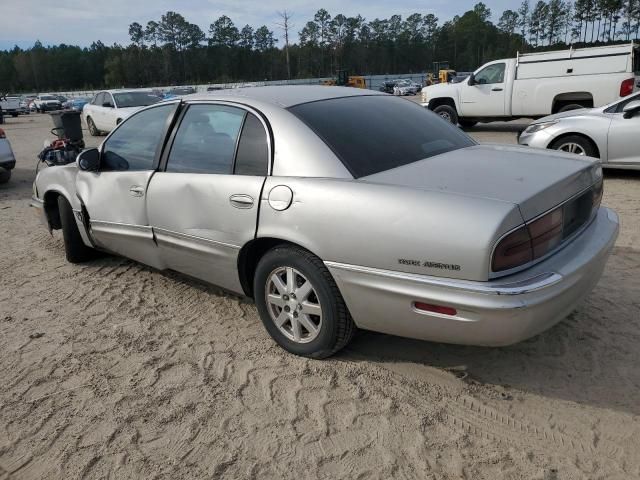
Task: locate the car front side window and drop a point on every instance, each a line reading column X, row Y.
column 206, row 140
column 134, row 144
column 491, row 74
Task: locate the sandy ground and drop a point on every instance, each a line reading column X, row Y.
column 114, row 370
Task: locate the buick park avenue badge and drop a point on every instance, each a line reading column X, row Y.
column 429, row 264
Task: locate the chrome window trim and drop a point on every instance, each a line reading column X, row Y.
column 535, row 283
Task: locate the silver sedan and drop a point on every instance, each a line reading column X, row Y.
column 336, row 208
column 610, row 133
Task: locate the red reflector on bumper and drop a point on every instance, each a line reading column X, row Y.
column 427, row 307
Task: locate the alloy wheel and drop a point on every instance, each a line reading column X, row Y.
column 572, row 147
column 293, row 305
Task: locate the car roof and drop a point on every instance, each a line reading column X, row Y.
column 283, row 96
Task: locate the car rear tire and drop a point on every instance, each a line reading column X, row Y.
column 300, row 304
column 448, row 113
column 575, row 144
column 75, row 249
column 93, row 131
column 467, row 123
column 5, row 176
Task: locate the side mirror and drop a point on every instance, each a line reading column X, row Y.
column 107, row 105
column 89, row 160
column 631, row 109
column 472, row 79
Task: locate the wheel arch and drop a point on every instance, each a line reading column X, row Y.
column 437, row 102
column 251, row 253
column 593, row 143
column 563, row 99
column 51, row 210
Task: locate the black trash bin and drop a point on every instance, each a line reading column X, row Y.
column 68, row 121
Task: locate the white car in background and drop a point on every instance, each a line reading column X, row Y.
column 109, row 107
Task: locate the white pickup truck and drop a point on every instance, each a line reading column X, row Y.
column 537, row 84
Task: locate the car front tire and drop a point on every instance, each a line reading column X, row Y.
column 300, row 304
column 74, row 247
column 575, row 144
column 448, row 113
column 5, row 176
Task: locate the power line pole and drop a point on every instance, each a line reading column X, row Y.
column 285, row 25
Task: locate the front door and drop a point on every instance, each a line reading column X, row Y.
column 204, row 206
column 115, row 196
column 486, row 97
column 624, row 137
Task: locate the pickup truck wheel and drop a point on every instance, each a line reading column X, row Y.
column 93, row 131
column 5, row 176
column 573, row 106
column 448, row 113
column 575, row 144
column 467, row 123
column 74, row 247
column 300, row 304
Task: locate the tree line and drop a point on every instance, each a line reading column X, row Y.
column 172, row 50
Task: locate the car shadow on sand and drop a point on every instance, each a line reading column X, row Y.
column 591, row 357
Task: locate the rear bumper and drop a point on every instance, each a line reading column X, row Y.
column 495, row 313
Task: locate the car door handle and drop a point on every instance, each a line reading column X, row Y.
column 241, row 201
column 497, row 89
column 136, row 190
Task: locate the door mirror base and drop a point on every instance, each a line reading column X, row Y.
column 631, row 109
column 89, row 160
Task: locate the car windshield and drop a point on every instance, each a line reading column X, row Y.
column 47, row 97
column 374, row 133
column 135, row 99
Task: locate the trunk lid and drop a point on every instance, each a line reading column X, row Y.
column 535, row 180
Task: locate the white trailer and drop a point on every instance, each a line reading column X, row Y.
column 538, row 84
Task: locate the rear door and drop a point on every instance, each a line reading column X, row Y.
column 204, row 207
column 486, row 98
column 115, row 196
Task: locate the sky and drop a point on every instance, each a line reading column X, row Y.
column 80, row 22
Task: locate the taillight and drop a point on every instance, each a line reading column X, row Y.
column 512, row 251
column 540, row 236
column 2, row 134
column 546, row 233
column 626, row 87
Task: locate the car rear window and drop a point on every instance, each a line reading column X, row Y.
column 371, row 134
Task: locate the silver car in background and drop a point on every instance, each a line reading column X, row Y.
column 610, row 133
column 336, row 208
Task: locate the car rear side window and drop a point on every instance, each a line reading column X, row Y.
column 253, row 151
column 206, row 140
column 134, row 144
column 371, row 134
